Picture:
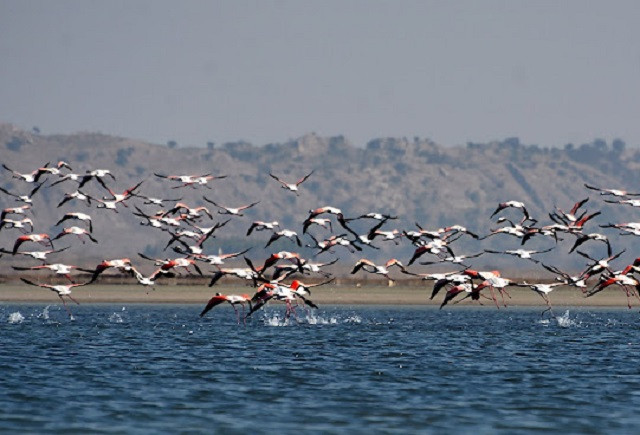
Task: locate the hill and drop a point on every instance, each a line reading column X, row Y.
column 416, row 179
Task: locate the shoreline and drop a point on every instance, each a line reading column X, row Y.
column 330, row 295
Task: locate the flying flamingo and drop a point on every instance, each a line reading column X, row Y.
column 522, row 253
column 323, row 222
column 121, row 197
column 513, row 204
column 61, row 290
column 232, row 300
column 20, row 224
column 75, row 195
column 27, row 199
column 22, row 210
column 80, row 232
column 57, row 268
column 543, row 290
column 232, row 211
column 293, row 187
column 190, row 180
column 612, row 192
column 77, row 216
column 369, row 266
column 37, row 255
column 628, row 283
column 292, row 235
column 155, row 201
column 219, row 258
column 123, row 264
column 31, row 177
column 262, row 226
column 41, row 238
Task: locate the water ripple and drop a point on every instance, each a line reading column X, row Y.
column 160, row 368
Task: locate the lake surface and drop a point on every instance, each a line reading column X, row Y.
column 159, row 368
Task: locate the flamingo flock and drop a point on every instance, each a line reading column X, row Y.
column 190, row 229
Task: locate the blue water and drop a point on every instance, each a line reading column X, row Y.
column 150, row 368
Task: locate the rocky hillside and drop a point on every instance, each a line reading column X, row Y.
column 415, row 179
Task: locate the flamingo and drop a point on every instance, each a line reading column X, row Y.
column 269, row 291
column 582, row 238
column 598, row 266
column 293, row 187
column 41, row 238
column 155, row 201
column 219, row 259
column 456, row 259
column 436, row 247
column 22, row 210
column 513, row 204
column 369, row 266
column 339, row 240
column 61, row 290
column 124, row 264
column 242, row 273
column 285, row 270
column 27, row 199
column 190, row 180
column 624, row 281
column 565, row 278
column 374, row 216
column 292, row 235
column 630, row 202
column 80, row 232
column 71, row 176
column 262, row 226
column 98, row 175
column 543, row 290
column 192, row 212
column 20, row 224
column 443, row 280
column 568, row 217
column 232, row 211
column 121, row 197
column 199, row 237
column 31, row 177
column 232, row 300
column 78, row 216
column 454, row 291
column 55, row 170
column 323, row 222
column 57, row 268
column 37, row 255
column 149, row 281
column 521, row 253
column 612, row 192
column 75, row 195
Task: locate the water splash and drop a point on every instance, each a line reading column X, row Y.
column 565, row 321
column 353, row 319
column 16, row 317
column 115, row 318
column 313, row 319
column 275, row 320
column 45, row 313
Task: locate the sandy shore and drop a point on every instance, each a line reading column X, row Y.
column 329, row 295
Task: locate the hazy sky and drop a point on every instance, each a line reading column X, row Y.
column 550, row 72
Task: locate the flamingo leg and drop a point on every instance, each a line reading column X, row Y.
column 237, row 314
column 493, row 296
column 626, row 290
column 65, row 307
column 546, row 299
